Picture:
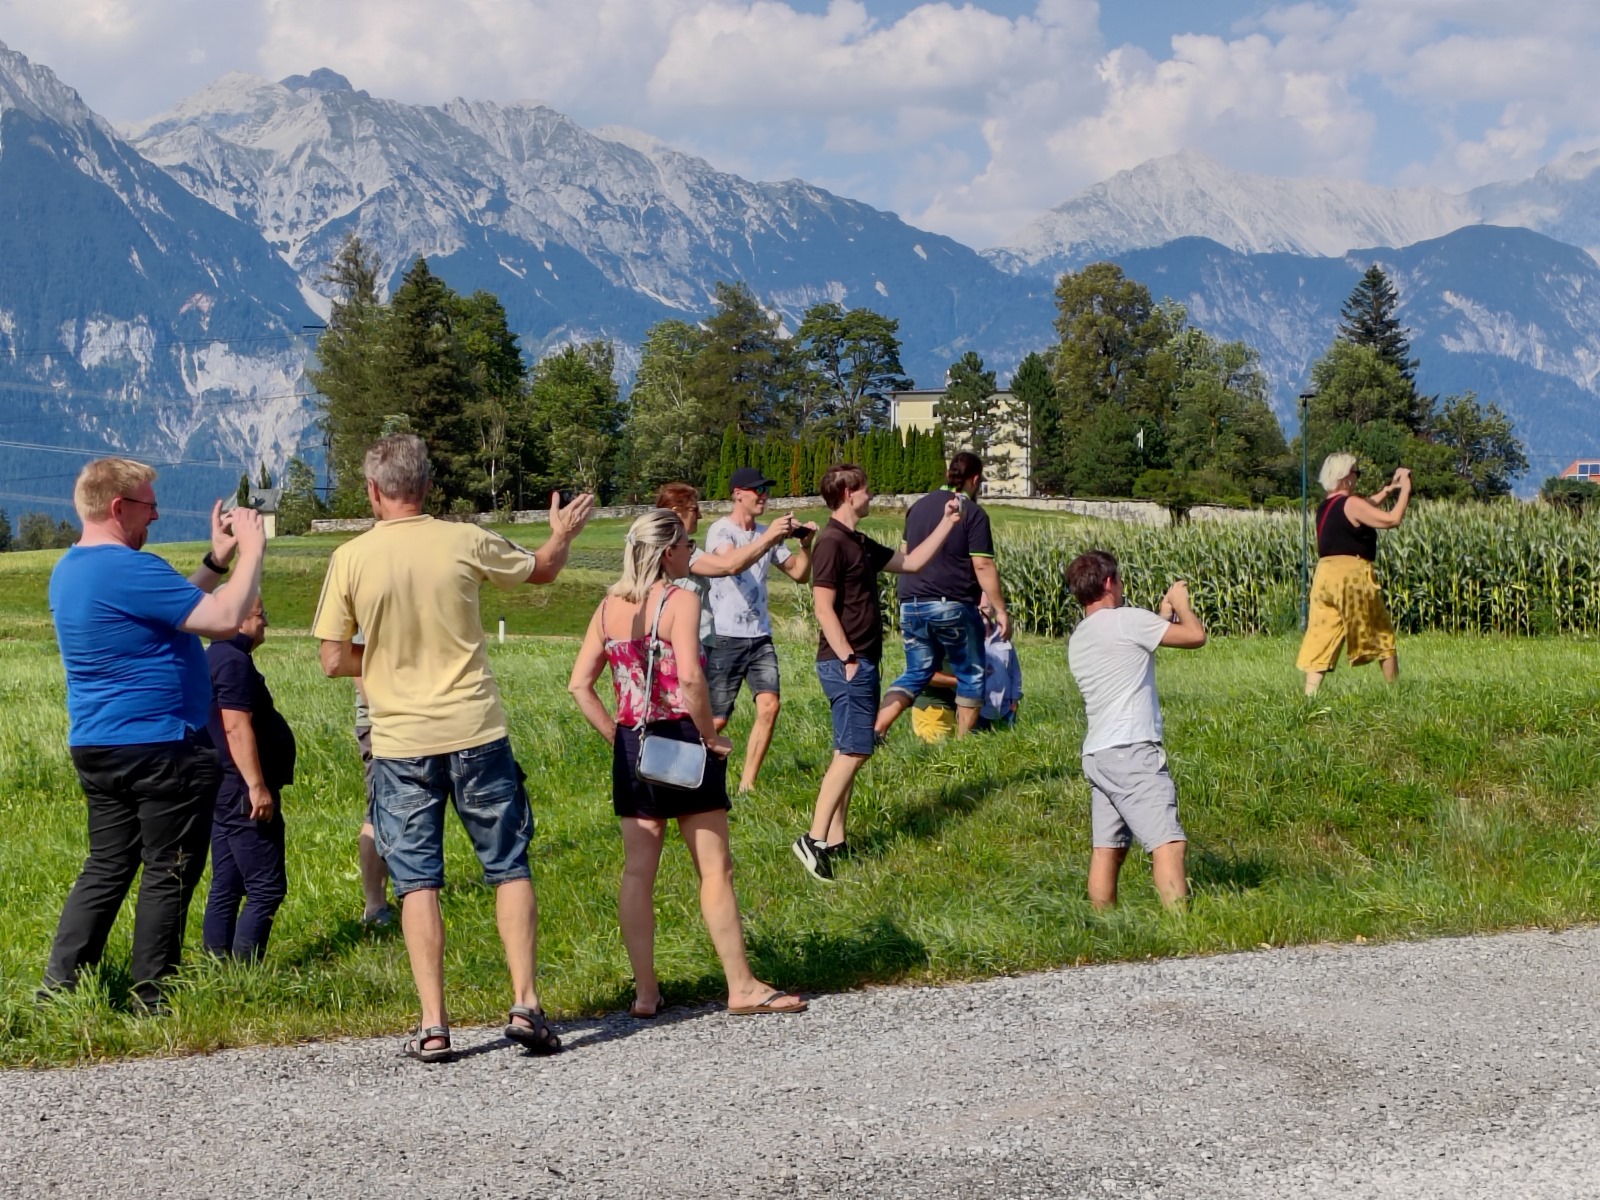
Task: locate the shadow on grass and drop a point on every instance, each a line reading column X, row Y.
column 1210, row 871
column 928, row 814
column 339, row 941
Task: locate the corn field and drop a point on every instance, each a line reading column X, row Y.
column 1505, row 568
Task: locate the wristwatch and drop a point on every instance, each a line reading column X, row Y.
column 212, row 565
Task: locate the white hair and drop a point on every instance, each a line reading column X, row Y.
column 1335, row 468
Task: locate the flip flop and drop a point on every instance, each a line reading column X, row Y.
column 661, row 1002
column 416, row 1045
column 766, row 1006
column 537, row 1036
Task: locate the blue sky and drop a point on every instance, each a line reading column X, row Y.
column 968, row 119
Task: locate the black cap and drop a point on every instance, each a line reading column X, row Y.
column 749, row 477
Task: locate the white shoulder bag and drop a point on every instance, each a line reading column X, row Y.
column 665, row 761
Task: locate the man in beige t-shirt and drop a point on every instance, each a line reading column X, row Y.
column 410, row 584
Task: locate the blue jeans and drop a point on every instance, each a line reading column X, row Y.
column 409, row 797
column 854, row 703
column 947, row 629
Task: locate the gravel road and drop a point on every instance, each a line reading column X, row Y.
column 1456, row 1068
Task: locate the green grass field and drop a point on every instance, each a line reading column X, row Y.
column 1465, row 799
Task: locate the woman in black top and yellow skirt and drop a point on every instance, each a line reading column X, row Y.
column 1346, row 605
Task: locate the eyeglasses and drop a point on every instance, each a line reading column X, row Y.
column 150, row 504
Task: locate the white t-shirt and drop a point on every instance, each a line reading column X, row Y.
column 1112, row 654
column 700, row 586
column 739, row 602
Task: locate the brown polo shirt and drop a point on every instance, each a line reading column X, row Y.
column 849, row 562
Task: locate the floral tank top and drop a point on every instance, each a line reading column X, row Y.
column 628, row 659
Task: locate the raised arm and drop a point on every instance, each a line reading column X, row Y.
column 909, row 564
column 1366, row 512
column 219, row 612
column 565, row 525
column 798, row 565
column 717, row 564
column 1185, row 631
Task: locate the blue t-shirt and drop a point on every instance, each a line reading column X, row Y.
column 132, row 675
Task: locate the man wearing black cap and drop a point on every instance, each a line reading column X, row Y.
column 744, row 651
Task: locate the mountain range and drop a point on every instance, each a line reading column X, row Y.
column 160, row 278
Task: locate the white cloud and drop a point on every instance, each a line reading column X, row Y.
column 962, row 118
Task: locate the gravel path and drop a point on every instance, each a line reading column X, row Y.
column 1456, row 1068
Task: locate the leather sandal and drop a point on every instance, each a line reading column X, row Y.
column 417, row 1044
column 537, row 1037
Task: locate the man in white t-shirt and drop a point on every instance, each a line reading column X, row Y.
column 1112, row 654
column 743, row 652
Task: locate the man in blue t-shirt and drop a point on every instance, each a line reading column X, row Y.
column 139, row 696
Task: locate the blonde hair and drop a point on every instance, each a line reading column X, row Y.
column 1334, row 469
column 102, row 481
column 644, row 553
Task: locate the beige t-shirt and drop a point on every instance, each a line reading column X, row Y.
column 411, row 586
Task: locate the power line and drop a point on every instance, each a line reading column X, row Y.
column 103, row 450
column 66, row 351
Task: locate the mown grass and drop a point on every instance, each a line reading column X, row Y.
column 1465, row 799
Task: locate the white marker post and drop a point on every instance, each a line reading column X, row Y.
column 502, row 631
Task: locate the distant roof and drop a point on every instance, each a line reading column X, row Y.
column 265, row 499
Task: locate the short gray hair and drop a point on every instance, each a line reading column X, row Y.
column 1334, row 469
column 398, row 464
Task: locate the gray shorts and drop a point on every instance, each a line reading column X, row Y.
column 735, row 661
column 1132, row 796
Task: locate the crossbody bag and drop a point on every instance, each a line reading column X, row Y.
column 665, row 761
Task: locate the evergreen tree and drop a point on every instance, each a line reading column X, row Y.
column 299, row 504
column 36, row 532
column 1370, row 320
column 264, row 476
column 847, row 364
column 432, row 381
column 966, row 410
column 1035, row 393
column 741, row 364
column 5, row 531
column 352, row 369
column 241, row 494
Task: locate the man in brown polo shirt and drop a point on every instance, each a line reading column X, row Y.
column 845, row 565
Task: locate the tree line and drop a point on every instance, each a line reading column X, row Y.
column 1131, row 399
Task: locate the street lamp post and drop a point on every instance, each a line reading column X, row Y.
column 1306, row 397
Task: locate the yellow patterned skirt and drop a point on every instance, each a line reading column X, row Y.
column 1347, row 608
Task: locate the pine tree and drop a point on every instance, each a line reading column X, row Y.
column 741, row 363
column 966, row 410
column 5, row 531
column 1370, row 320
column 1035, row 394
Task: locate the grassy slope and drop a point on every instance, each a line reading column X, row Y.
column 1465, row 799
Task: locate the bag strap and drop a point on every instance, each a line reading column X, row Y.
column 651, row 650
column 1327, row 511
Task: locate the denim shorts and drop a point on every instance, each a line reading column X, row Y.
column 854, row 703
column 409, row 796
column 737, row 660
column 947, row 630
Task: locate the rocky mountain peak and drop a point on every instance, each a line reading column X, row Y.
column 321, row 80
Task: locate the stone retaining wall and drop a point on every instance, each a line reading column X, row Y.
column 1139, row 512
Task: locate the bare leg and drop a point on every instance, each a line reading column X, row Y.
column 1104, row 865
column 833, row 799
column 1167, row 868
column 1313, row 682
column 374, row 875
column 516, row 912
column 1391, row 668
column 967, row 718
column 767, row 706
column 706, row 835
column 423, row 926
column 894, row 704
column 636, row 909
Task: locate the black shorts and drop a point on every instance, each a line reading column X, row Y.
column 736, row 660
column 633, row 797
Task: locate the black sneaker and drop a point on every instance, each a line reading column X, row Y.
column 813, row 856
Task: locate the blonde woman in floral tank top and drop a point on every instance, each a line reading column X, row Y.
column 656, row 552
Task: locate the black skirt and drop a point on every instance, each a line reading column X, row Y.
column 634, row 797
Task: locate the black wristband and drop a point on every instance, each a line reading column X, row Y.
column 210, row 564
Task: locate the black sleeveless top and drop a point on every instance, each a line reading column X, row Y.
column 1337, row 535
